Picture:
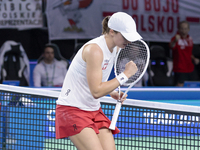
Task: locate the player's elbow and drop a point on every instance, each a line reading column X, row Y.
column 97, row 91
column 96, row 95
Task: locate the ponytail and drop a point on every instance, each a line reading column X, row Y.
column 105, row 28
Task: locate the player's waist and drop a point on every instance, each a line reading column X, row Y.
column 87, row 104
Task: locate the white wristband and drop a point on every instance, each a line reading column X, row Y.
column 122, row 78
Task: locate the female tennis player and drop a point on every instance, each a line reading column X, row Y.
column 78, row 112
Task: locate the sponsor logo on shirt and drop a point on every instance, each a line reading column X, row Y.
column 106, row 62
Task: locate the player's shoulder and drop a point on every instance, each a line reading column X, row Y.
column 93, row 48
column 92, row 51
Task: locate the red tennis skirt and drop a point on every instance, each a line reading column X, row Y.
column 71, row 121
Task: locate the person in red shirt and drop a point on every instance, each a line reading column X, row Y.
column 183, row 59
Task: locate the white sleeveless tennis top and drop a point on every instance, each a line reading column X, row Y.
column 75, row 91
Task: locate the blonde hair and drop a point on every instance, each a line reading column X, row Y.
column 105, row 28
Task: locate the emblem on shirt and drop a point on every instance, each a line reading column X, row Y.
column 105, row 64
column 75, row 128
column 68, row 91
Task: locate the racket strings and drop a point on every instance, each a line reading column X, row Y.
column 136, row 52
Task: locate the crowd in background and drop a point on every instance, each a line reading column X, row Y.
column 171, row 64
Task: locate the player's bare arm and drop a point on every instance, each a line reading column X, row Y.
column 93, row 56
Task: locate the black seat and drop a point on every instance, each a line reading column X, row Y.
column 14, row 63
column 160, row 67
column 196, row 53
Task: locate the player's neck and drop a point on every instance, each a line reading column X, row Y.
column 109, row 43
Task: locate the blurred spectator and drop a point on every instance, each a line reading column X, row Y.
column 182, row 45
column 49, row 71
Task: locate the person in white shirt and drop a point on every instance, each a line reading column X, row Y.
column 49, row 72
column 78, row 112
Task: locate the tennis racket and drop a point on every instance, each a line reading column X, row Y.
column 138, row 52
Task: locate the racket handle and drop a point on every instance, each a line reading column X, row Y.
column 115, row 116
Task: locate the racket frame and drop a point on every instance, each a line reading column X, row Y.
column 119, row 104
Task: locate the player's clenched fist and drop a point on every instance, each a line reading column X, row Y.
column 130, row 69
